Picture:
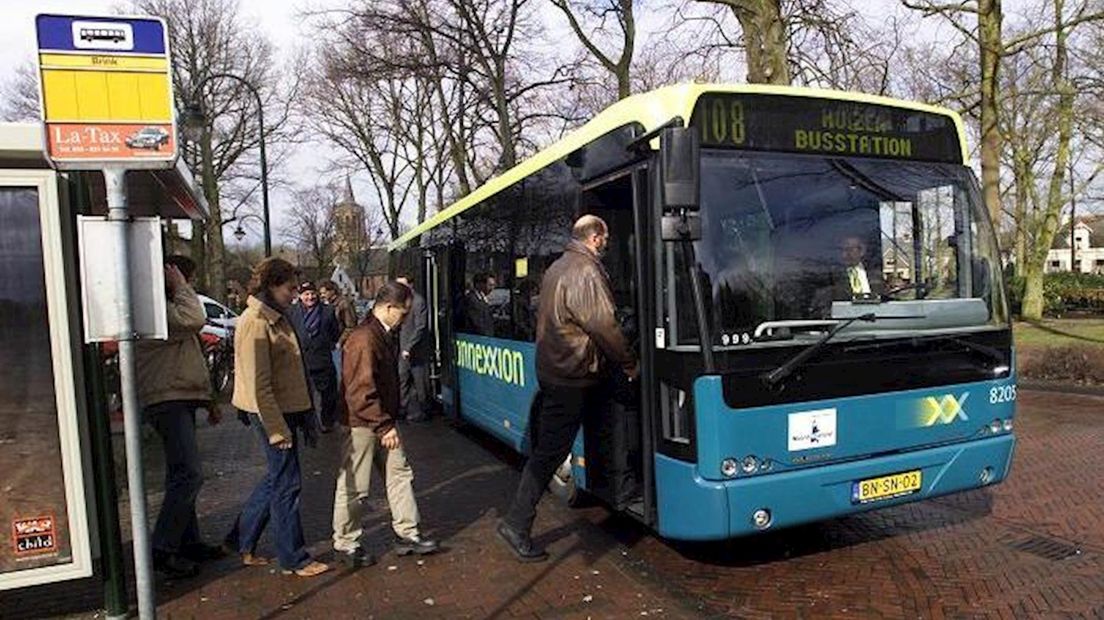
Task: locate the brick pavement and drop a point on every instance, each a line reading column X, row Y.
column 1031, row 547
column 993, row 553
column 463, row 480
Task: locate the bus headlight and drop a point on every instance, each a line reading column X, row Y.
column 761, row 518
column 1008, row 425
column 750, row 464
column 729, row 467
column 995, row 426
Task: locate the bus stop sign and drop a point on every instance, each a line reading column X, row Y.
column 106, row 88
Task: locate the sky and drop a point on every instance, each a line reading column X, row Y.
column 281, row 21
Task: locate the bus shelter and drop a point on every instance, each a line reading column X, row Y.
column 57, row 489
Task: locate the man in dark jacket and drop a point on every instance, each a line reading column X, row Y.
column 370, row 404
column 576, row 333
column 414, row 353
column 318, row 331
column 479, row 316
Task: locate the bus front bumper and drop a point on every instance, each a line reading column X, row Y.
column 693, row 508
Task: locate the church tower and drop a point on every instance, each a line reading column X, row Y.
column 349, row 234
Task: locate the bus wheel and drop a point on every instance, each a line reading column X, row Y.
column 563, row 485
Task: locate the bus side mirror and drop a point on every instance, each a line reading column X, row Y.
column 680, row 168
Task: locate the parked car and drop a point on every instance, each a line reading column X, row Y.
column 220, row 319
column 148, row 138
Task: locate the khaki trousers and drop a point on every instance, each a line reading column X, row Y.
column 361, row 453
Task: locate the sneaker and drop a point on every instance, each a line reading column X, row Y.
column 356, row 558
column 174, row 566
column 521, row 544
column 415, row 544
column 202, row 552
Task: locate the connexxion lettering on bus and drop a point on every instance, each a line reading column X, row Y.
column 913, row 401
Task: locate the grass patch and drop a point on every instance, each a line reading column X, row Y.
column 1059, row 333
column 1061, row 350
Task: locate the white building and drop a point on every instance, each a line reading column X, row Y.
column 1089, row 258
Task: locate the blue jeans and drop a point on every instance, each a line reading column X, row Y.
column 177, row 525
column 276, row 497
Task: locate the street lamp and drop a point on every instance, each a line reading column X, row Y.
column 195, row 122
column 239, row 232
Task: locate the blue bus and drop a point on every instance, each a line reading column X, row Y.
column 811, row 282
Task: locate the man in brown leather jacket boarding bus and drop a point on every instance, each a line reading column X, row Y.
column 576, row 332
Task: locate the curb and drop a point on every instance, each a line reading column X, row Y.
column 1064, row 388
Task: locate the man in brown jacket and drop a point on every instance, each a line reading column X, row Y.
column 369, row 406
column 172, row 384
column 576, row 332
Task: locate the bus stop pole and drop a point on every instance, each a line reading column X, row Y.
column 114, row 179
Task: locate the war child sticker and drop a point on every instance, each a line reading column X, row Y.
column 34, row 536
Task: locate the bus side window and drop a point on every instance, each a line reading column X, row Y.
column 542, row 223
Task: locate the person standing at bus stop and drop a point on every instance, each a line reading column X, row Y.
column 318, row 330
column 577, row 332
column 343, row 310
column 173, row 383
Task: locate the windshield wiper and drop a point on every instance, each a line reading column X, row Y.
column 992, row 353
column 779, row 374
column 921, row 289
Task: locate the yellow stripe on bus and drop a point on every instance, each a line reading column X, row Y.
column 650, row 110
column 102, row 62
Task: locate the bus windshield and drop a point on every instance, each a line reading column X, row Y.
column 796, row 238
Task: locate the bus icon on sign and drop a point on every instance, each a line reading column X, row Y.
column 103, row 35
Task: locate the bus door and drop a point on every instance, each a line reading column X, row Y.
column 445, row 285
column 613, row 442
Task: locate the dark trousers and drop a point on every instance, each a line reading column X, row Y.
column 324, row 382
column 414, row 381
column 275, row 498
column 177, row 525
column 561, row 414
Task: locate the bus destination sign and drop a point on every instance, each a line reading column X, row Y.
column 825, row 127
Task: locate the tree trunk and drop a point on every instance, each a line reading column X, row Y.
column 1033, row 294
column 765, row 39
column 1021, row 177
column 505, row 130
column 214, row 250
column 992, row 49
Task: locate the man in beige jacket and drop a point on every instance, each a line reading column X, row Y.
column 173, row 383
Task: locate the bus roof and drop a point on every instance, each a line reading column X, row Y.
column 650, row 110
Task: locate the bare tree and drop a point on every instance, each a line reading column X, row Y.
column 987, row 33
column 311, row 229
column 20, row 95
column 209, row 37
column 362, row 118
column 765, row 39
column 592, row 36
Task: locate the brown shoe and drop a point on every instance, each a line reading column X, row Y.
column 313, row 569
column 248, row 559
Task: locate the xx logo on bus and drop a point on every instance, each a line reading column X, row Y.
column 936, row 410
